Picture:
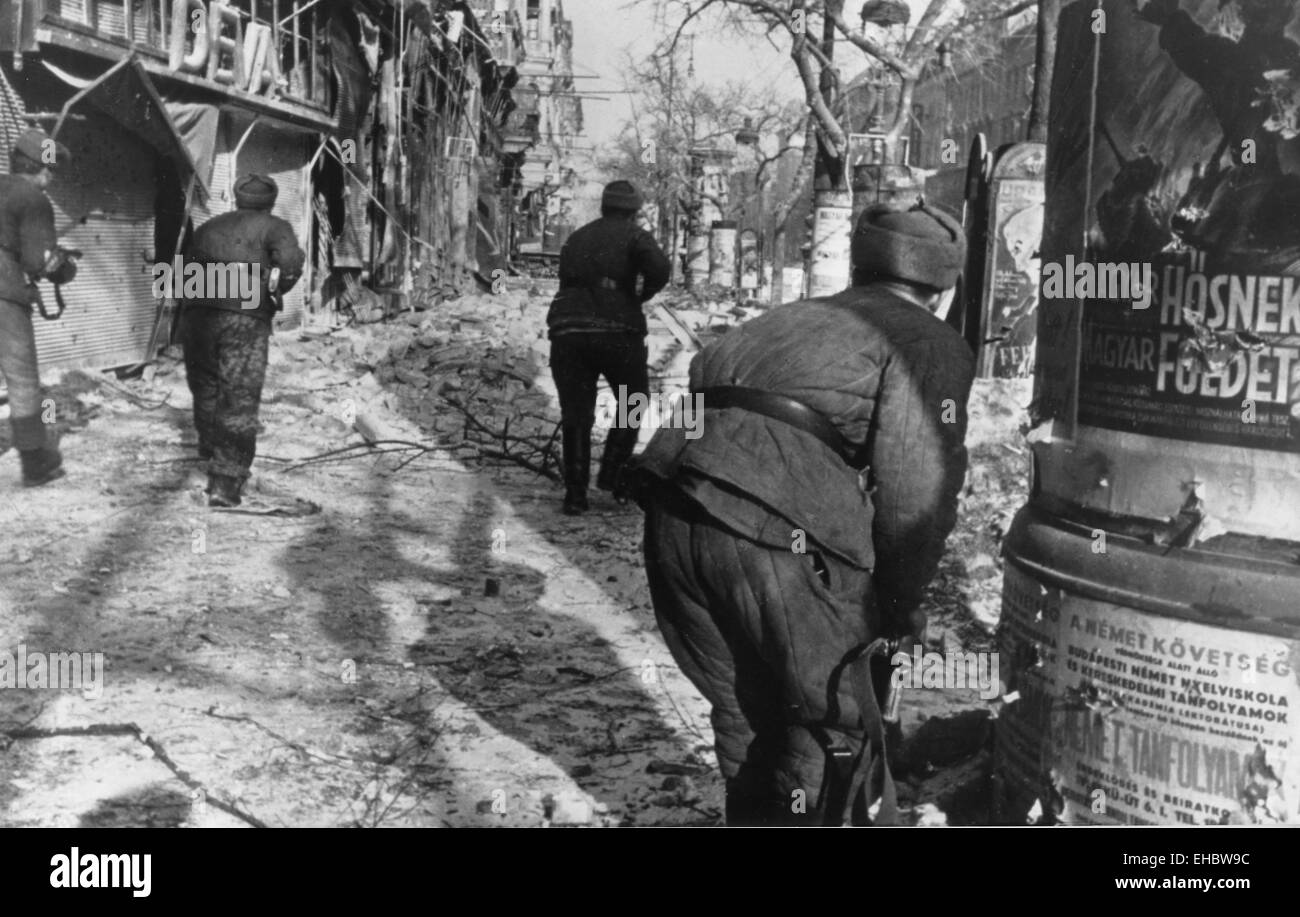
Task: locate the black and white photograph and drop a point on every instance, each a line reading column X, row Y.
column 650, row 414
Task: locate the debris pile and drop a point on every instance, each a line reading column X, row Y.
column 473, row 374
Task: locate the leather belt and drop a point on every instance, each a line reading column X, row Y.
column 778, row 407
column 596, row 283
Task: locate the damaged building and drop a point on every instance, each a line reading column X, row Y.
column 392, row 129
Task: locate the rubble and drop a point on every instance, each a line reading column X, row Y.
column 475, row 371
column 521, row 666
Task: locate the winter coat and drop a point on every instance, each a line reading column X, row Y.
column 894, row 381
column 599, row 267
column 247, row 237
column 27, row 238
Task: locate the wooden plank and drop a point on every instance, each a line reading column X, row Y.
column 679, row 329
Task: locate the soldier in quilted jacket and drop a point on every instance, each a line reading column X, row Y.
column 803, row 523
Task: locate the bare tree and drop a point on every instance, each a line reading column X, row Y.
column 894, row 57
column 674, row 114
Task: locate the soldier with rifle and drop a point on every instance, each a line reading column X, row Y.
column 29, row 252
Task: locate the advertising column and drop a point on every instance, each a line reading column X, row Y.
column 1151, row 608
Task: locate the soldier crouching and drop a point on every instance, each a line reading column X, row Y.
column 787, row 546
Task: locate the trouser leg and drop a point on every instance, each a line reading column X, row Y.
column 18, row 360
column 575, row 381
column 760, row 635
column 624, row 368
column 37, row 444
column 21, row 370
column 242, row 346
column 199, row 339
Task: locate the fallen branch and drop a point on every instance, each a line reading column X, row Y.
column 131, row 729
column 327, row 757
column 504, row 438
column 131, row 396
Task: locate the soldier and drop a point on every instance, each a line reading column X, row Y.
column 597, row 328
column 793, row 537
column 226, row 337
column 29, row 251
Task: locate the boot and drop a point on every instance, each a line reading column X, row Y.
column 223, row 490
column 618, row 449
column 576, row 443
column 38, row 450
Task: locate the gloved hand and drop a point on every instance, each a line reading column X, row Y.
column 914, row 630
column 898, row 623
column 61, row 266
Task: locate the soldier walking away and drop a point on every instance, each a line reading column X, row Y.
column 226, row 338
column 787, row 545
column 597, row 327
column 29, row 252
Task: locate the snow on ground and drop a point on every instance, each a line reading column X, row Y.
column 437, row 645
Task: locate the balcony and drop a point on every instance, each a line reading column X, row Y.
column 267, row 48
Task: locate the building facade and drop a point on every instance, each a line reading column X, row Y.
column 162, row 104
column 405, row 162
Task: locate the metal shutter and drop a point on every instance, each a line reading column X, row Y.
column 111, row 306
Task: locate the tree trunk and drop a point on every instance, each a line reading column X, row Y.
column 829, row 172
column 798, row 188
column 832, row 198
column 901, row 120
column 1044, row 60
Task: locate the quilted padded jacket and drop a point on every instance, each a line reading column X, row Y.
column 27, row 237
column 246, row 237
column 893, row 379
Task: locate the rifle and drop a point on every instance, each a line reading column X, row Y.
column 59, row 259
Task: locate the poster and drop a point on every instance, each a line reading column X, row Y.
column 722, row 254
column 791, row 284
column 1147, row 720
column 1013, row 272
column 832, row 235
column 1191, row 173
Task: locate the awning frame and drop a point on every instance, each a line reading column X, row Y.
column 188, row 168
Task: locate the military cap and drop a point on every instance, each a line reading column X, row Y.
column 621, row 195
column 256, row 192
column 921, row 245
column 41, row 148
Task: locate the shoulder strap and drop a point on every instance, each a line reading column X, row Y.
column 848, row 787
